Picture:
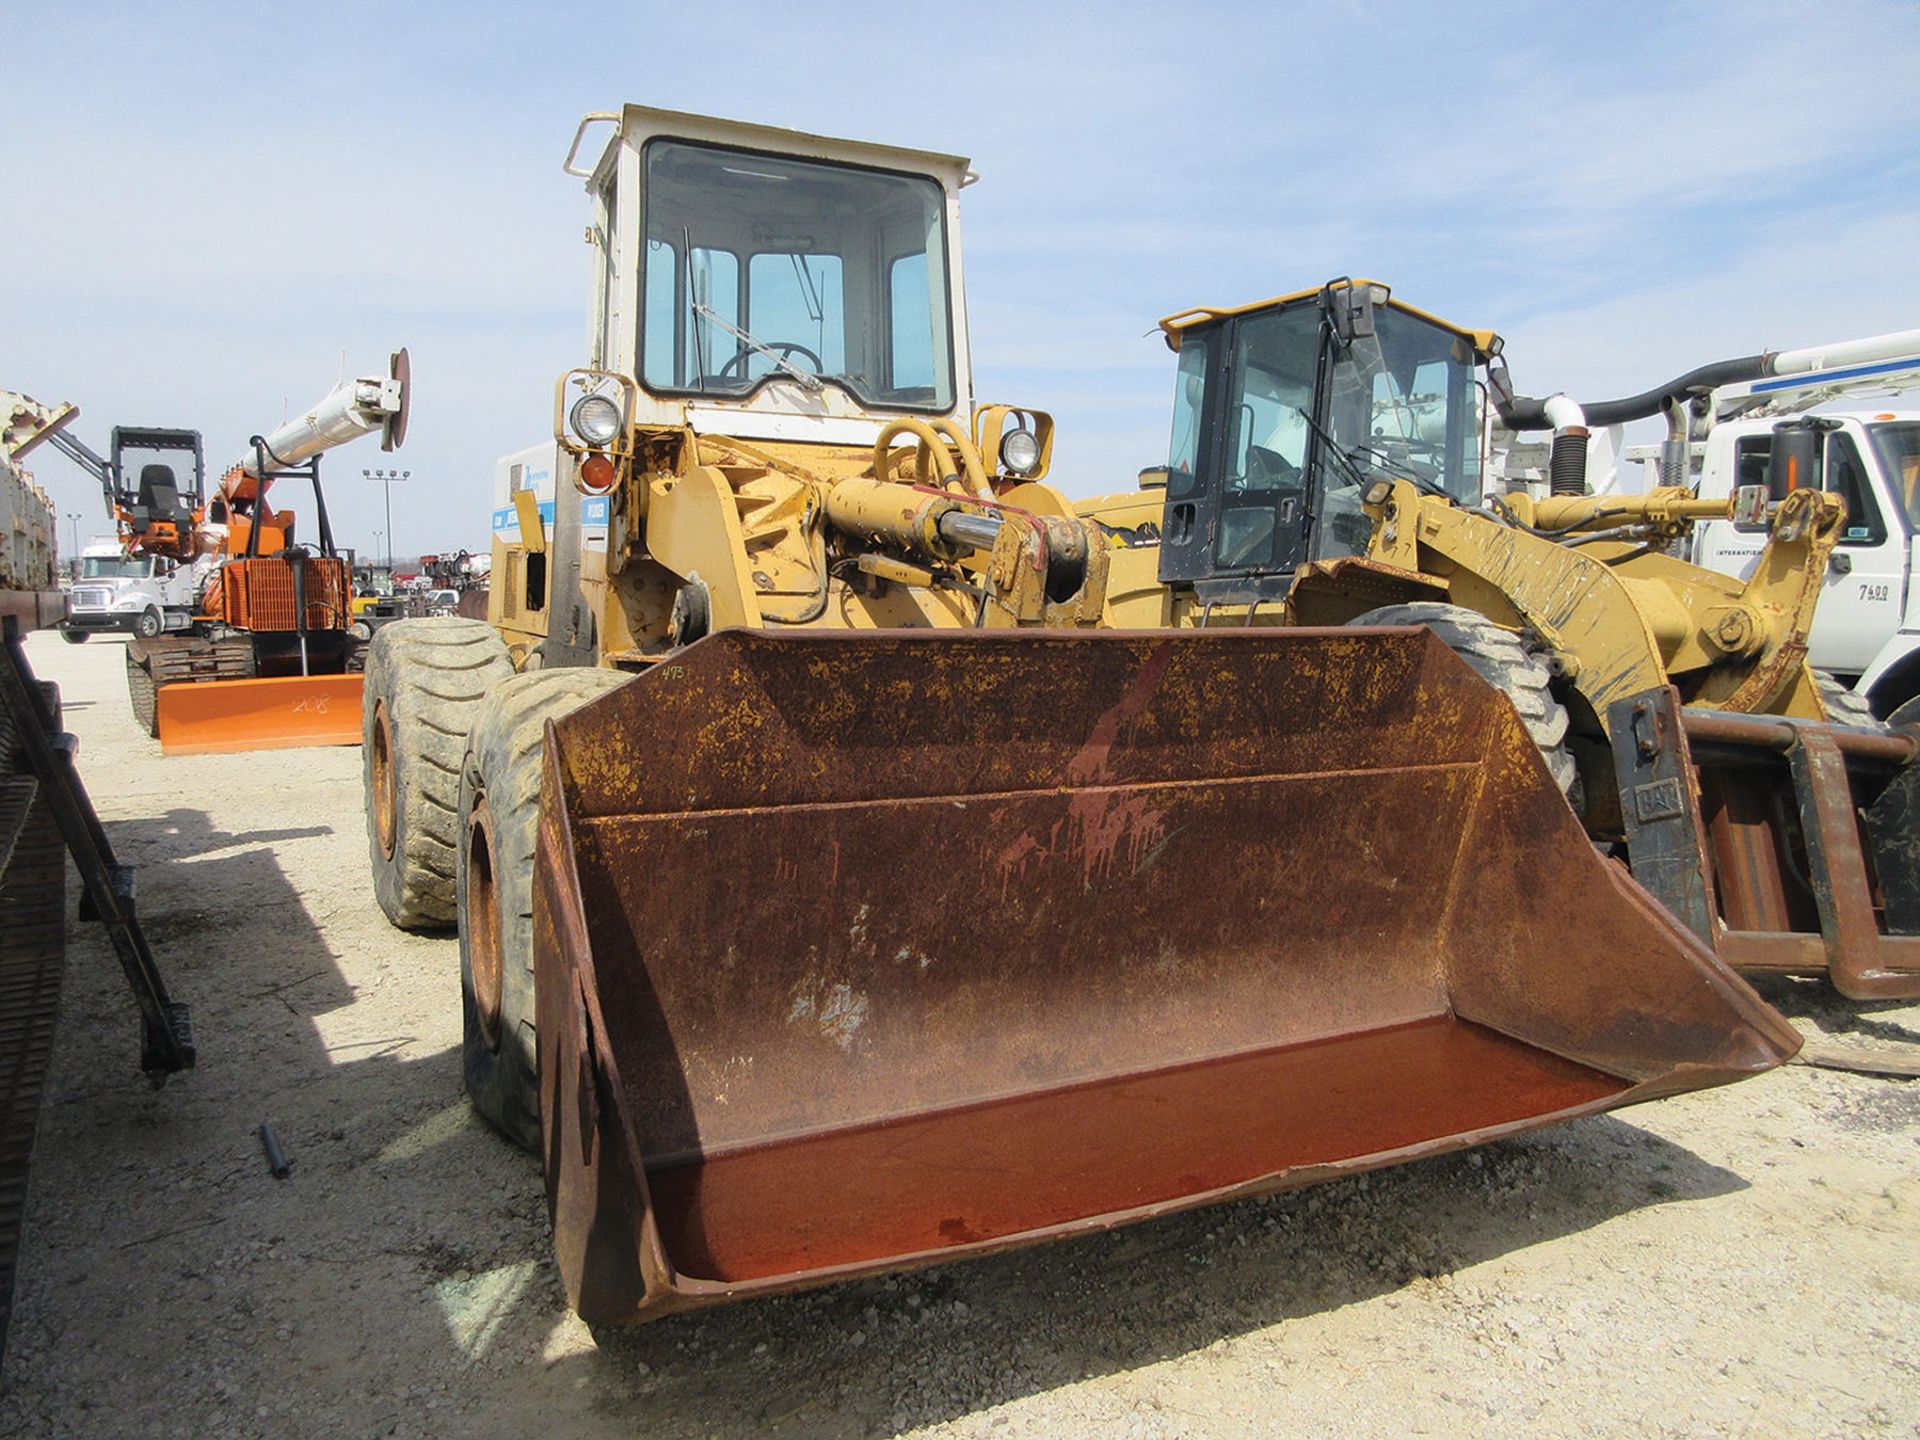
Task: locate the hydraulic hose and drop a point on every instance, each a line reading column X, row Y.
column 1528, row 412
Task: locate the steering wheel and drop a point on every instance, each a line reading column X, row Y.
column 785, row 347
column 1270, row 470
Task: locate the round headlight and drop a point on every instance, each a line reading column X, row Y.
column 1019, row 451
column 595, row 419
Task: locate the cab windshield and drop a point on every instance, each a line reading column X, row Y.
column 112, row 567
column 1402, row 403
column 1899, row 445
column 1399, row 403
column 760, row 267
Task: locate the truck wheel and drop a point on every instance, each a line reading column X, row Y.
column 500, row 803
column 75, row 637
column 1845, row 705
column 425, row 679
column 149, row 625
column 140, row 694
column 1505, row 664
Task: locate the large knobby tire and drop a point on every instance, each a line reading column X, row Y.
column 140, row 695
column 1504, row 662
column 425, row 682
column 500, row 803
column 1844, row 705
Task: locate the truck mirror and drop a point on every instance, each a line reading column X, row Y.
column 1791, row 463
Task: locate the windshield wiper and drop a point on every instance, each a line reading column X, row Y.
column 1353, row 471
column 808, row 380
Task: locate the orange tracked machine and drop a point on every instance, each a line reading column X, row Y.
column 267, row 659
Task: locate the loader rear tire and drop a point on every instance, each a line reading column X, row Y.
column 141, row 696
column 1845, row 705
column 1504, row 663
column 500, row 809
column 425, row 682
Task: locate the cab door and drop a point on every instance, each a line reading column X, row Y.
column 1239, row 481
column 1865, row 590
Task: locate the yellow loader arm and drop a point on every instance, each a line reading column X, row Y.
column 1616, row 613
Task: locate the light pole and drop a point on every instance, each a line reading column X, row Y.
column 376, row 550
column 388, row 478
column 73, row 559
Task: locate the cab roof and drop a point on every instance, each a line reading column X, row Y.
column 1486, row 343
column 637, row 123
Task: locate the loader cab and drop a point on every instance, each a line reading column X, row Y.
column 1286, row 411
column 764, row 283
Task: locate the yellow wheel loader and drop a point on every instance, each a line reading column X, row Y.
column 1327, row 470
column 837, row 894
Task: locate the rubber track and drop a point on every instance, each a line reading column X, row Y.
column 32, row 949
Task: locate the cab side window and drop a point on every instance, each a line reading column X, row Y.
column 1847, row 478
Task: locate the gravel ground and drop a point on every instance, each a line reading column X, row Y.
column 1738, row 1262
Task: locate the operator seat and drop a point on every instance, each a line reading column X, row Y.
column 159, row 500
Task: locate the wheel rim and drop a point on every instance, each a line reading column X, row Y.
column 385, row 795
column 480, row 922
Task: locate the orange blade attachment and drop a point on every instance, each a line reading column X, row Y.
column 218, row 717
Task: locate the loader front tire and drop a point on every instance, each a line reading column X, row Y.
column 1505, row 664
column 500, row 810
column 1845, row 705
column 425, row 680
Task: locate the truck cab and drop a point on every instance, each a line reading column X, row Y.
column 1866, row 629
column 143, row 595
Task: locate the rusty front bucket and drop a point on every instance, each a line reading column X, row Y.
column 281, row 713
column 863, row 951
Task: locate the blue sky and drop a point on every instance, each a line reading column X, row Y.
column 1623, row 191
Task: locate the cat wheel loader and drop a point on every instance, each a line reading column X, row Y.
column 837, row 893
column 1327, row 469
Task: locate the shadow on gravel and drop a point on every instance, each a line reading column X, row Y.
column 182, row 834
column 173, row 1212
column 876, row 1356
column 1831, row 1012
